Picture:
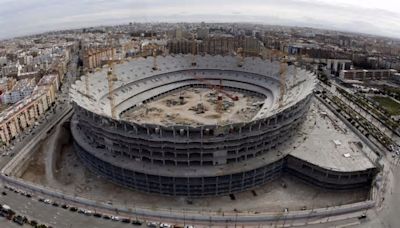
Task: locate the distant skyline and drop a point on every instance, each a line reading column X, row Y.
column 25, row 17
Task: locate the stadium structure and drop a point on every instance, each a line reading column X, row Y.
column 197, row 126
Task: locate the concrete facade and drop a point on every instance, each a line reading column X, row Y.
column 23, row 114
column 362, row 75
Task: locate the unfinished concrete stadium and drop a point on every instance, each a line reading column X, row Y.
column 200, row 126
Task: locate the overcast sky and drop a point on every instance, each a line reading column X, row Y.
column 22, row 17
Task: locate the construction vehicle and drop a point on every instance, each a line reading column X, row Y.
column 219, row 89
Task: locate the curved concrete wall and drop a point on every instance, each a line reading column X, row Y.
column 186, row 146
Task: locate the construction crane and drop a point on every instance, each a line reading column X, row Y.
column 282, row 74
column 240, row 54
column 89, row 52
column 87, row 84
column 155, row 66
column 219, row 89
column 111, row 78
column 193, row 51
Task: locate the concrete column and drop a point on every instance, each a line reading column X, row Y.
column 22, row 119
column 13, row 130
column 3, row 136
column 26, row 114
column 36, row 110
column 7, row 131
column 17, row 126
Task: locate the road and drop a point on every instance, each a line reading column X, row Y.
column 55, row 216
column 386, row 215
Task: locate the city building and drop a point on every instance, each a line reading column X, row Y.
column 24, row 113
column 362, row 74
column 202, row 32
column 23, row 88
column 97, row 57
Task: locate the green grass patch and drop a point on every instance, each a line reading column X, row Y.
column 391, row 106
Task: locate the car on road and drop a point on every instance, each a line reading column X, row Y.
column 33, row 223
column 165, row 225
column 152, row 224
column 55, row 204
column 97, row 215
column 4, row 193
column 73, row 209
column 88, row 212
column 114, row 218
column 125, row 220
column 137, row 223
column 81, row 211
column 19, row 220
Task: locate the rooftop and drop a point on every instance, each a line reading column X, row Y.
column 329, row 143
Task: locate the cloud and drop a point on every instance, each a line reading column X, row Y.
column 33, row 16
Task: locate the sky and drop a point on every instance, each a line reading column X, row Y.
column 24, row 17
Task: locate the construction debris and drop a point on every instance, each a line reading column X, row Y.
column 197, row 106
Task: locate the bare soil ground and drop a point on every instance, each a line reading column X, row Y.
column 197, row 106
column 287, row 192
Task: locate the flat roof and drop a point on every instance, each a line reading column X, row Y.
column 329, row 143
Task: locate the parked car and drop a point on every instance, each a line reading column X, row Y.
column 137, row 223
column 33, row 223
column 152, row 224
column 88, row 212
column 165, row 225
column 19, row 220
column 81, row 211
column 55, row 204
column 126, row 220
column 115, row 218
